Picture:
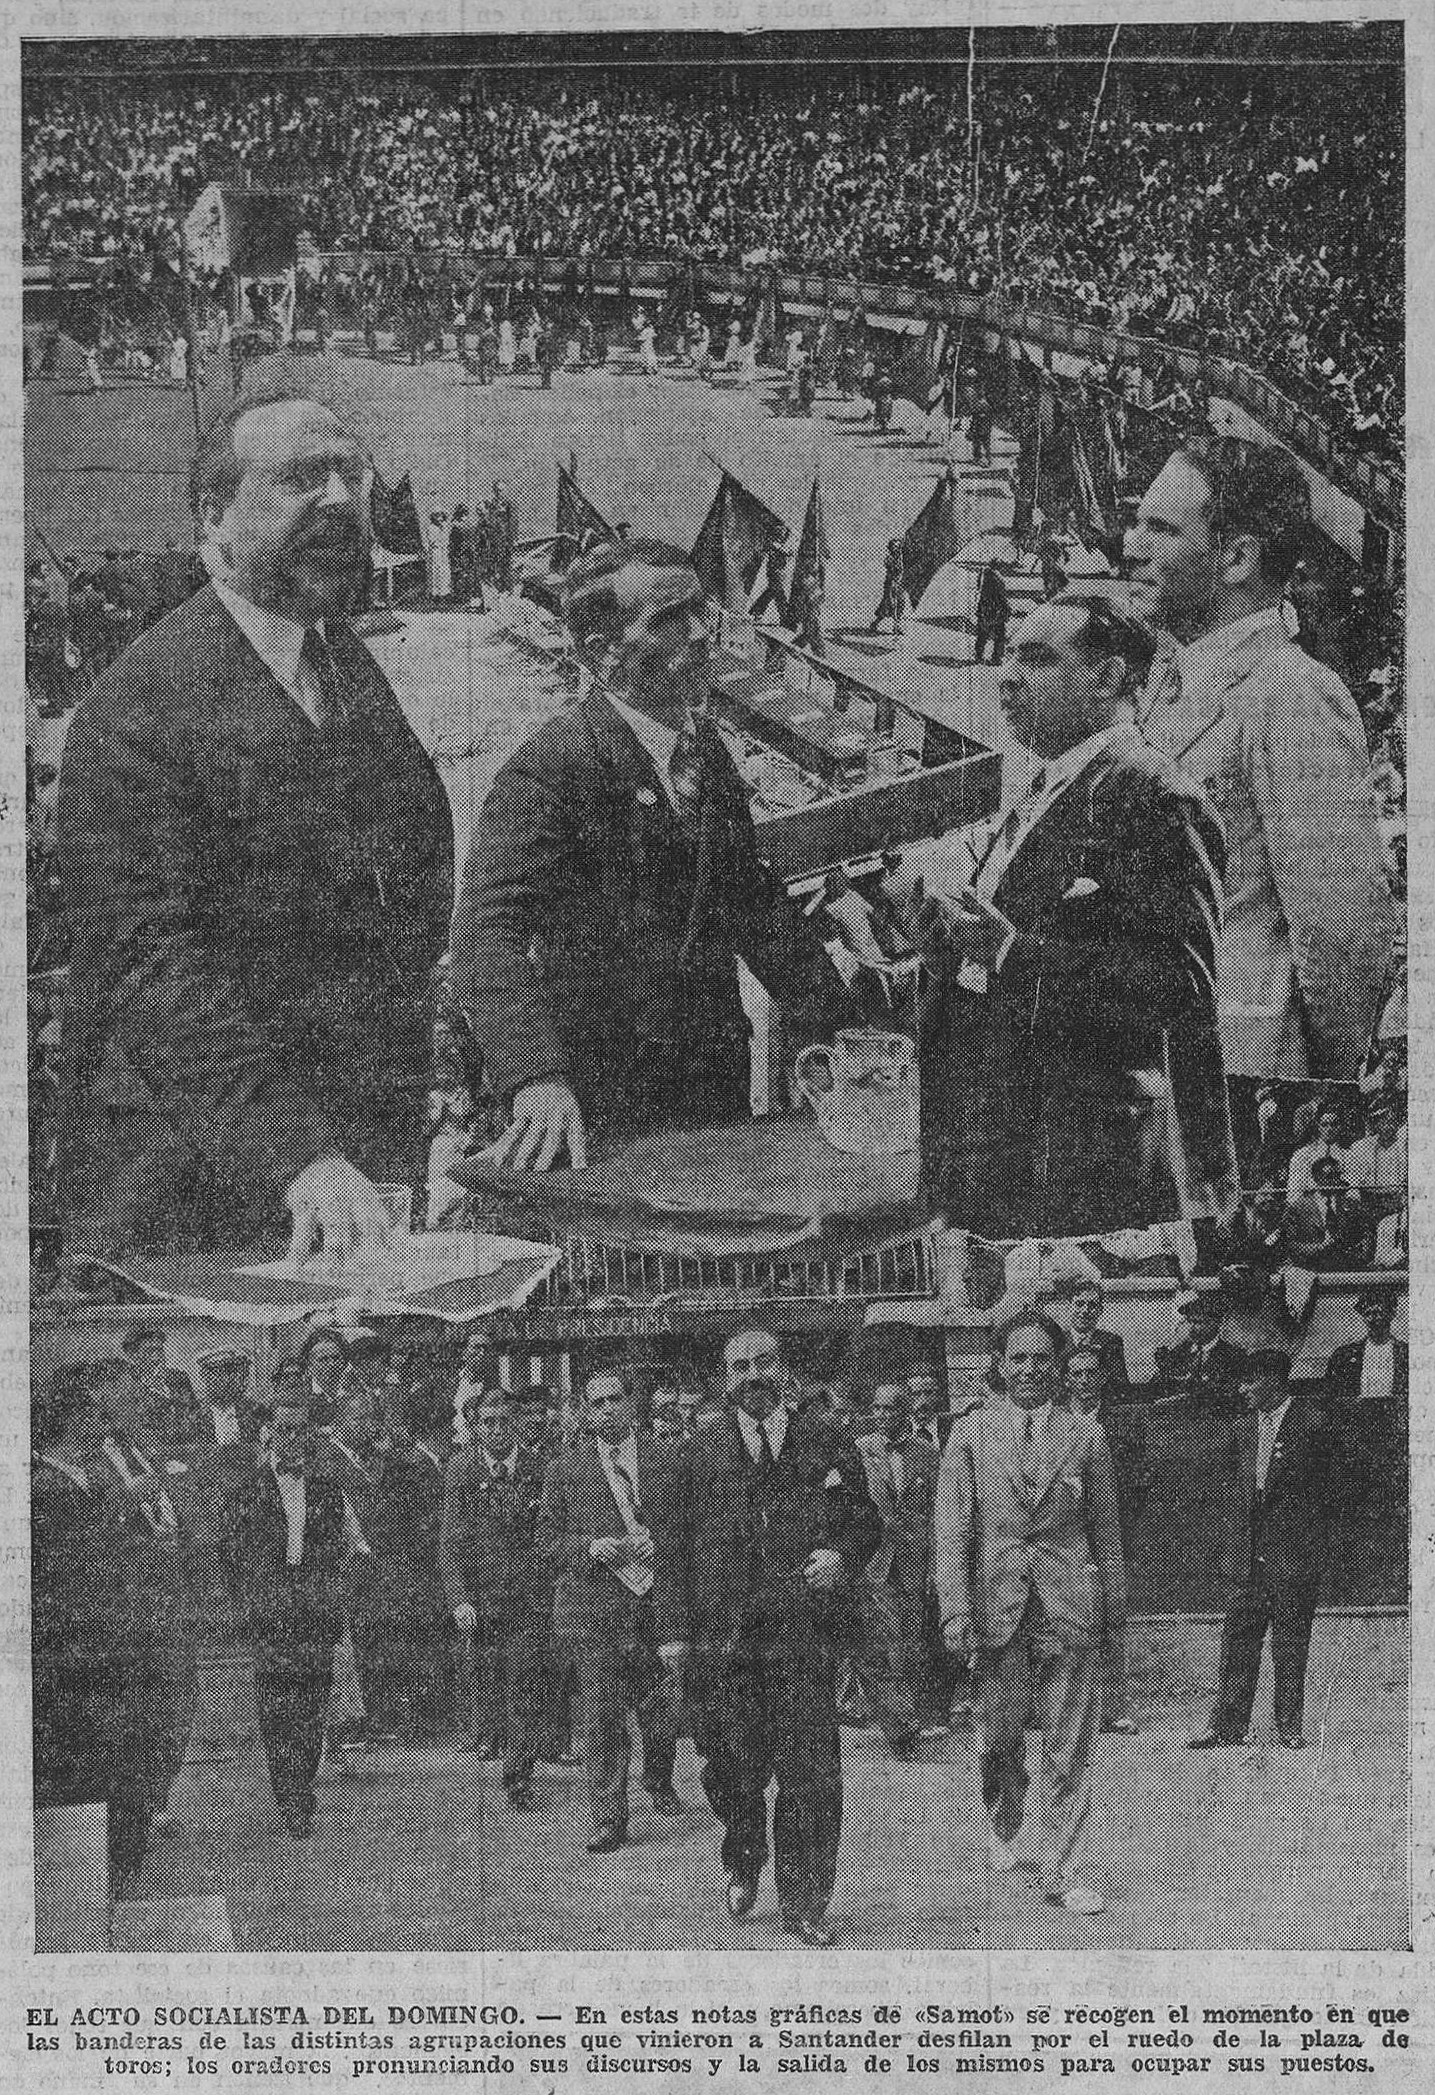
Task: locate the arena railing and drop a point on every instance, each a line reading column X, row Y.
column 1372, row 481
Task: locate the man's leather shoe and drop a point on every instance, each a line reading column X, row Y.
column 608, row 1840
column 1214, row 1738
column 741, row 1896
column 1292, row 1739
column 520, row 1795
column 812, row 1930
column 667, row 1801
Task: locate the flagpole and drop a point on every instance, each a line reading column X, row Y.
column 190, row 342
column 1101, row 90
column 971, row 85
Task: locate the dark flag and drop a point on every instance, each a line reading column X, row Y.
column 823, row 342
column 917, row 374
column 932, row 538
column 736, row 536
column 812, row 555
column 579, row 522
column 394, row 515
column 771, row 320
column 625, row 299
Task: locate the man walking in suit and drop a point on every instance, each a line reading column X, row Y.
column 1279, row 1467
column 769, row 1523
column 1277, row 742
column 1026, row 1558
column 497, row 1587
column 1070, row 1058
column 257, row 856
column 618, row 843
column 289, row 1538
column 901, row 1479
column 603, row 1498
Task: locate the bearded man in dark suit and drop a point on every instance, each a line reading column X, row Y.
column 257, row 856
column 766, row 1524
column 613, row 881
column 1069, row 1051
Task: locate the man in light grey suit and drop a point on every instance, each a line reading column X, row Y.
column 901, row 1479
column 1277, row 742
column 1026, row 1560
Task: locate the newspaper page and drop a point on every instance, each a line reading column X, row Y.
column 717, row 1373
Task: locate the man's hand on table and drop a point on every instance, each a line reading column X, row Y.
column 545, row 1120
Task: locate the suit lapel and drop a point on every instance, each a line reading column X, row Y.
column 1065, row 1433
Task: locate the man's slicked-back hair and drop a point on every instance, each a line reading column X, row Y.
column 214, row 473
column 1111, row 631
column 591, row 610
column 1028, row 1320
column 1257, row 491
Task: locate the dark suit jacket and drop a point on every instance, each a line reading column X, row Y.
column 901, row 1559
column 256, row 911
column 1342, row 1377
column 1283, row 1534
column 731, row 1551
column 293, row 1614
column 1212, row 1382
column 488, row 1551
column 1083, row 1091
column 569, row 934
column 577, row 1508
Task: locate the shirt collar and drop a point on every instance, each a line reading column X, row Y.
column 503, row 1465
column 1040, row 1414
column 1063, row 769
column 624, row 1455
column 1224, row 640
column 277, row 641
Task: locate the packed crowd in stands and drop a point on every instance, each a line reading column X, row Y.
column 1255, row 213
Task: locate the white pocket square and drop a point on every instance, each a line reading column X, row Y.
column 645, row 798
column 833, row 1481
column 1080, row 888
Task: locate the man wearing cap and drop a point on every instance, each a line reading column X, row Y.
column 617, row 846
column 768, row 1524
column 257, row 857
column 1027, row 1562
column 497, row 1589
column 605, row 1499
column 1280, row 1477
column 289, row 1537
column 1201, row 1368
column 164, row 1400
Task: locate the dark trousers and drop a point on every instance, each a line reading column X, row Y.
column 768, row 1709
column 291, row 1689
column 1287, row 1610
column 504, row 1666
column 87, row 1749
column 613, row 1677
column 888, row 1659
column 991, row 634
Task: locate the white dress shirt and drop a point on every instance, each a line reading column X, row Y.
column 773, row 1428
column 1377, row 1373
column 226, row 1425
column 294, row 1499
column 1270, row 1425
column 278, row 643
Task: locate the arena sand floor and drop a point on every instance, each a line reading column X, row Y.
column 1253, row 1847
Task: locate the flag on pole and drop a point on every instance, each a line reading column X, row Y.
column 932, row 538
column 811, row 561
column 917, row 374
column 394, row 516
column 579, row 521
column 736, row 536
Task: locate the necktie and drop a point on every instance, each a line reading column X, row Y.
column 764, row 1446
column 629, row 1492
column 992, row 864
column 332, row 690
column 1163, row 686
column 1029, row 1451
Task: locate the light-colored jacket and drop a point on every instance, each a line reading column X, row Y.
column 1277, row 742
column 995, row 1539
